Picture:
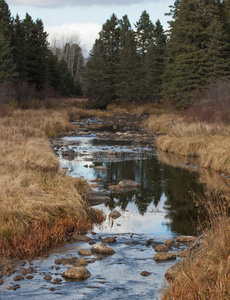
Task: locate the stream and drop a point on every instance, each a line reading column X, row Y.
column 161, row 209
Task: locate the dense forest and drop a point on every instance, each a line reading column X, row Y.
column 140, row 64
column 29, row 68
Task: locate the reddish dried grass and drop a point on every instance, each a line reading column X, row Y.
column 43, row 234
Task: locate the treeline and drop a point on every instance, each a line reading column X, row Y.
column 145, row 64
column 29, row 69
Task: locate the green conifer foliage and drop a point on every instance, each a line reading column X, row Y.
column 144, row 33
column 190, row 50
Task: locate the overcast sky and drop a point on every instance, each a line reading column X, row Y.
column 84, row 18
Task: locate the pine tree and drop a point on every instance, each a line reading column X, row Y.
column 128, row 70
column 18, row 43
column 36, row 52
column 155, row 63
column 102, row 64
column 186, row 64
column 7, row 66
column 144, row 33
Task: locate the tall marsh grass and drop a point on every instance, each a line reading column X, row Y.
column 207, row 141
column 36, row 197
column 206, row 274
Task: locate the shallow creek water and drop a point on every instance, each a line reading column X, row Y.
column 160, row 209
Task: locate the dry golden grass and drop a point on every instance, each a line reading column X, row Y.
column 209, row 142
column 78, row 113
column 206, row 275
column 35, row 194
column 149, row 108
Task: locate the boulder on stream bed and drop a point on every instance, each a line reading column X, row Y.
column 125, row 185
column 102, row 249
column 96, row 198
column 76, row 273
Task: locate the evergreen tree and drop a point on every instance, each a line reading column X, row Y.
column 144, row 33
column 7, row 66
column 36, row 52
column 103, row 64
column 95, row 73
column 186, row 64
column 154, row 63
column 19, row 48
column 67, row 86
column 128, row 70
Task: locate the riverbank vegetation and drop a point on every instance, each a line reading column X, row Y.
column 39, row 204
column 202, row 131
column 205, row 273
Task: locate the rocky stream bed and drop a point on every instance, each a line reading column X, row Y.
column 150, row 219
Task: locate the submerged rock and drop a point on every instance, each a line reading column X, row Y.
column 100, row 168
column 81, row 262
column 169, row 242
column 80, row 238
column 126, row 183
column 161, row 248
column 84, row 252
column 76, row 273
column 163, row 256
column 111, row 239
column 96, row 198
column 18, row 278
column 145, row 273
column 102, row 249
column 114, row 214
column 47, row 277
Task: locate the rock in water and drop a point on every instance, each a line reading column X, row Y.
column 169, row 242
column 128, row 184
column 102, row 249
column 161, row 248
column 145, row 273
column 100, row 168
column 162, row 256
column 111, row 239
column 84, row 252
column 76, row 273
column 114, row 214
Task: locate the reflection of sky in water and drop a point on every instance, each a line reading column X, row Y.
column 131, row 221
column 158, row 207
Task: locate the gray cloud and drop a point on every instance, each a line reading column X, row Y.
column 65, row 3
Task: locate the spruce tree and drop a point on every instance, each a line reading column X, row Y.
column 36, row 52
column 144, row 33
column 103, row 64
column 155, row 63
column 7, row 65
column 128, row 70
column 186, row 64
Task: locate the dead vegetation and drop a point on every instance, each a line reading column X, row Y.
column 187, row 134
column 206, row 275
column 39, row 204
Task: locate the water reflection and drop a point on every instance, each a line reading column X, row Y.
column 158, row 181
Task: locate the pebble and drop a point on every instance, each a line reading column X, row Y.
column 47, row 277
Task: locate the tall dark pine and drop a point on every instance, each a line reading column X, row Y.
column 187, row 66
column 155, row 63
column 36, row 52
column 127, row 86
column 7, row 65
column 144, row 33
column 103, row 61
